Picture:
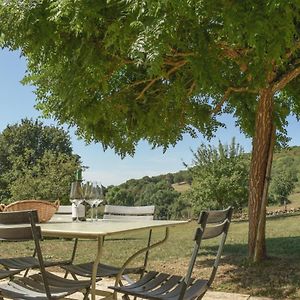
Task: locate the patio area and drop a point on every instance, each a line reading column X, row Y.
column 210, row 295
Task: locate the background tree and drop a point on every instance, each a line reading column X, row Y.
column 220, row 177
column 146, row 191
column 119, row 196
column 36, row 162
column 48, row 179
column 282, row 184
column 158, row 69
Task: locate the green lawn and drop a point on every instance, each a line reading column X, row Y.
column 278, row 277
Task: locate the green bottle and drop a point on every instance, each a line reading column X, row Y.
column 81, row 211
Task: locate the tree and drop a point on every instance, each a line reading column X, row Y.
column 48, row 179
column 122, row 71
column 160, row 194
column 36, row 161
column 284, row 176
column 119, row 196
column 220, row 177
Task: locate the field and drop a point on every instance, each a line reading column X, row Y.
column 278, row 277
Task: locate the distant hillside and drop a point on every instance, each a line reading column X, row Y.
column 182, row 180
column 179, row 178
column 181, row 186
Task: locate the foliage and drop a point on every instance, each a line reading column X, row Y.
column 283, row 179
column 288, row 159
column 220, row 177
column 146, row 191
column 36, row 162
column 140, row 191
column 119, row 196
column 154, row 69
column 48, row 179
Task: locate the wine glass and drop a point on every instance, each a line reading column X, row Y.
column 96, row 195
column 87, row 194
column 76, row 197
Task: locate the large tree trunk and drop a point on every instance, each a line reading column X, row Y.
column 263, row 144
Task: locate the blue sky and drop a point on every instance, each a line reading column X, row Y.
column 17, row 102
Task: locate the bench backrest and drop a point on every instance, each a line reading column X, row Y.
column 129, row 212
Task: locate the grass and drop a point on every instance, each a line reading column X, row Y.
column 278, row 277
column 180, row 188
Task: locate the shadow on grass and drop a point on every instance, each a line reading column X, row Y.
column 288, row 247
column 277, row 277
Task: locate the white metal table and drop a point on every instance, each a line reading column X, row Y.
column 101, row 229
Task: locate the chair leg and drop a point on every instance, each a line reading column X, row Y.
column 72, row 259
column 26, row 273
column 72, row 274
column 86, row 294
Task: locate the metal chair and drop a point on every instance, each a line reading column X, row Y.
column 18, row 264
column 8, row 273
column 114, row 212
column 155, row 285
column 19, row 227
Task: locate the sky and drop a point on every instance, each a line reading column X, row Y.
column 17, row 102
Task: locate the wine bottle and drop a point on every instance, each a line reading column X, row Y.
column 80, row 209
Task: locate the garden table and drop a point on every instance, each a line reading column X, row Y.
column 101, row 229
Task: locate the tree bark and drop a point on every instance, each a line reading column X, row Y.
column 262, row 149
column 259, row 253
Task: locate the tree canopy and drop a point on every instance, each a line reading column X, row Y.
column 122, row 71
column 148, row 191
column 220, row 177
column 36, row 162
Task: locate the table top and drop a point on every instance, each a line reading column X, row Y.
column 101, row 227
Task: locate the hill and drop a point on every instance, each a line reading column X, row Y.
column 181, row 180
column 164, row 190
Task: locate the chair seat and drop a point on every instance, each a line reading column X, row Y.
column 26, row 262
column 103, row 270
column 155, row 285
column 7, row 273
column 32, row 287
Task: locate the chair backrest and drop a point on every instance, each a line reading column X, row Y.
column 129, row 212
column 212, row 224
column 21, row 226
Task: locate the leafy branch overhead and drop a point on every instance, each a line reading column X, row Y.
column 122, row 71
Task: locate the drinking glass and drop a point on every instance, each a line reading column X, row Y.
column 76, row 197
column 87, row 193
column 97, row 196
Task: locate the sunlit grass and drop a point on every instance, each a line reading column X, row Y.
column 278, row 277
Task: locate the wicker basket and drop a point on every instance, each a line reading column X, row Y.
column 45, row 209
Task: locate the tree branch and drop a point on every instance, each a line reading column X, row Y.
column 285, row 79
column 191, row 88
column 228, row 92
column 235, row 54
column 179, row 65
column 293, row 49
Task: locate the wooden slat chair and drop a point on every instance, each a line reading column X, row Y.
column 155, row 285
column 44, row 285
column 115, row 212
column 15, row 264
column 8, row 273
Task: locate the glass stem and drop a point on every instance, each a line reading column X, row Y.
column 92, row 212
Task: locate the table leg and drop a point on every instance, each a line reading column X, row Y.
column 119, row 276
column 100, row 240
